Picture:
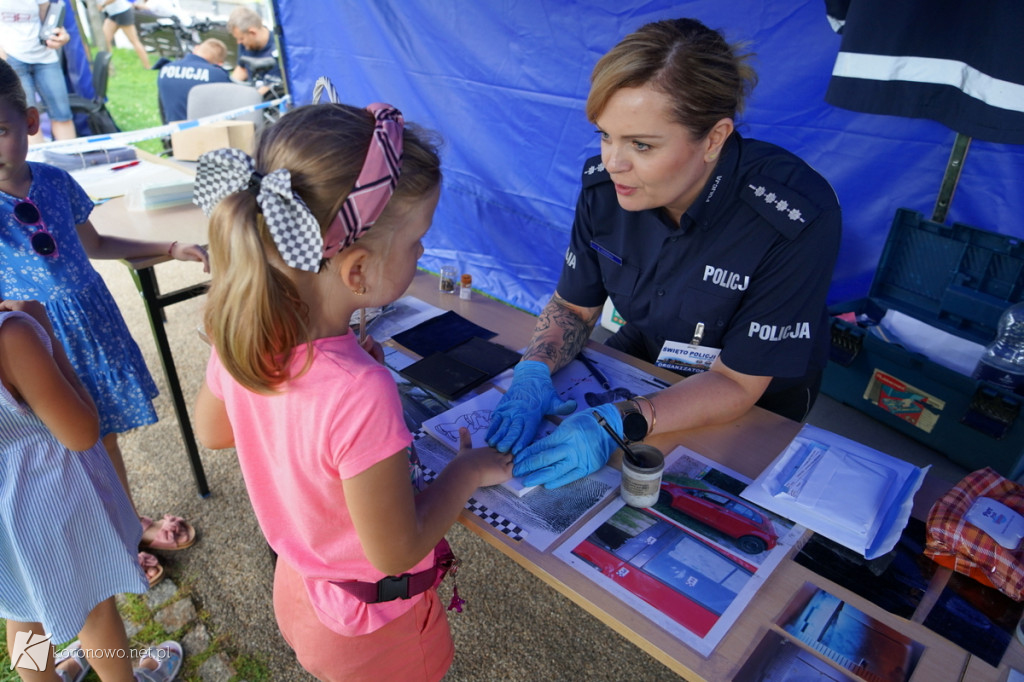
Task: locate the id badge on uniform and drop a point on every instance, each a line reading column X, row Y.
column 689, row 358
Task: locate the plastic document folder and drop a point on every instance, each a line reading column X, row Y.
column 841, row 489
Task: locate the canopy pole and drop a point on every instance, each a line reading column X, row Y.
column 949, row 181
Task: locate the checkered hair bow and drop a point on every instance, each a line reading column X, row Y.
column 295, row 230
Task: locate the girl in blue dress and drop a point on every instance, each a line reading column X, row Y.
column 46, row 241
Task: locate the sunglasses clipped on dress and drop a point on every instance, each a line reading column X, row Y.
column 27, row 213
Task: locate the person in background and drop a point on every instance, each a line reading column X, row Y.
column 177, row 78
column 69, row 534
column 160, row 8
column 312, row 412
column 710, row 245
column 120, row 16
column 37, row 64
column 254, row 40
column 46, row 241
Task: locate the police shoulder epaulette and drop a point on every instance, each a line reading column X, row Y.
column 785, row 209
column 594, row 172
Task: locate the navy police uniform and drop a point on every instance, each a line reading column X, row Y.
column 751, row 259
column 178, row 77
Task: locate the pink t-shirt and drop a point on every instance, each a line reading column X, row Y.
column 333, row 422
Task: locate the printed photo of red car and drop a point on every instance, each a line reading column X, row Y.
column 679, row 572
column 749, row 527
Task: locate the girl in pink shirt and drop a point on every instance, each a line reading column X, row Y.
column 325, row 220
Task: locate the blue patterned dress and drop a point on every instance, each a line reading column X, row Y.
column 85, row 316
column 68, row 534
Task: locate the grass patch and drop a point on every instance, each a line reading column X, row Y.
column 132, row 97
column 133, row 607
column 251, row 669
column 6, row 674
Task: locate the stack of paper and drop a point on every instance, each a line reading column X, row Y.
column 160, row 195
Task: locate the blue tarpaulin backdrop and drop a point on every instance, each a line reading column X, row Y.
column 505, row 81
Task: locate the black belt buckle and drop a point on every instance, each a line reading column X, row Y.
column 392, row 587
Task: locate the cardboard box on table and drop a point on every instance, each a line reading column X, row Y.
column 958, row 279
column 191, row 143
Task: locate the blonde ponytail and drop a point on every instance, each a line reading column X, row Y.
column 254, row 315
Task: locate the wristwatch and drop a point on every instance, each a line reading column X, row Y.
column 634, row 423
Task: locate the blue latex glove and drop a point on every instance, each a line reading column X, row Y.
column 578, row 447
column 515, row 420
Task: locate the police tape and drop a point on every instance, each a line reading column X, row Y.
column 132, row 136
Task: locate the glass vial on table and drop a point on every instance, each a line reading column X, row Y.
column 466, row 287
column 447, row 282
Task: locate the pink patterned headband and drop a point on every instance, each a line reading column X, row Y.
column 375, row 184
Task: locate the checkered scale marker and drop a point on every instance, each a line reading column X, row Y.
column 493, row 519
column 496, row 520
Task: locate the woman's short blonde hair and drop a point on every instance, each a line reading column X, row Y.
column 702, row 74
column 254, row 315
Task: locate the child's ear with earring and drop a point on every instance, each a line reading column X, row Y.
column 354, row 264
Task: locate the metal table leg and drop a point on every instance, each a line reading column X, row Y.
column 145, row 279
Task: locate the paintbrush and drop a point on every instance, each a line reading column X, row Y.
column 630, row 455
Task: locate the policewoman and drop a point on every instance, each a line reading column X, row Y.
column 717, row 251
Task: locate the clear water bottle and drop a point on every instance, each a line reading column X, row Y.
column 1002, row 363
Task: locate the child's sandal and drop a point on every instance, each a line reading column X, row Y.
column 73, row 650
column 167, row 656
column 151, row 567
column 173, row 534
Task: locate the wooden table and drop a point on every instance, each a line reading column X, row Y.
column 746, row 445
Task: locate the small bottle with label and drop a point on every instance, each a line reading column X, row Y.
column 466, row 287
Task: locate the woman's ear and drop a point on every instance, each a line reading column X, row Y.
column 32, row 121
column 715, row 139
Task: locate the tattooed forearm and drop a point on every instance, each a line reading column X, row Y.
column 562, row 332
